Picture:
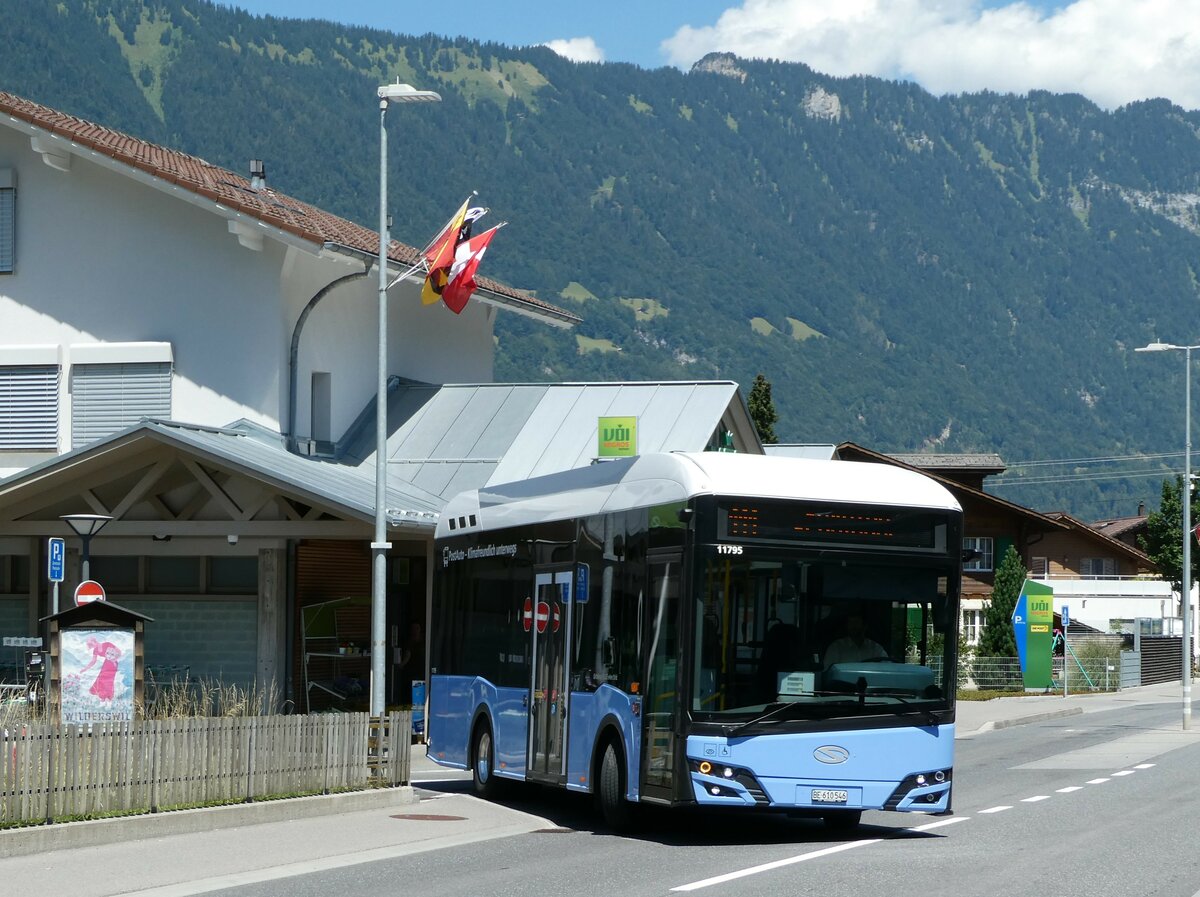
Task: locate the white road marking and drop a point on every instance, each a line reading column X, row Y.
column 1035, row 798
column 1119, row 753
column 995, row 809
column 1097, row 781
column 1144, row 766
column 1069, row 789
column 777, row 864
column 941, row 822
column 1124, row 772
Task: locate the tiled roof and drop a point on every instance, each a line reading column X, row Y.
column 235, row 192
column 980, row 461
column 1120, row 525
column 1106, row 535
column 851, row 451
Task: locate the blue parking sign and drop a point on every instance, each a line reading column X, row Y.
column 581, row 583
column 56, row 555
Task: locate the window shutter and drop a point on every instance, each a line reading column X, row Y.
column 29, row 408
column 106, row 398
column 8, row 221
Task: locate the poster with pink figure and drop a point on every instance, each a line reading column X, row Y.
column 96, row 675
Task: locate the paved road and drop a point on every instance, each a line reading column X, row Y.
column 1095, row 802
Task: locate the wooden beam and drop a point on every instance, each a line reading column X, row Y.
column 259, row 502
column 195, row 503
column 161, row 507
column 134, row 495
column 94, row 503
column 289, row 508
column 230, row 506
column 48, row 492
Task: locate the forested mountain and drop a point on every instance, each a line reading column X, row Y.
column 913, row 273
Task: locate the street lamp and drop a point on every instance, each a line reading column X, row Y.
column 1187, row 520
column 86, row 526
column 388, row 93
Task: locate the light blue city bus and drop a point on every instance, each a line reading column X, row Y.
column 712, row 629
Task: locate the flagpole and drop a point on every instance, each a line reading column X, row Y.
column 413, row 270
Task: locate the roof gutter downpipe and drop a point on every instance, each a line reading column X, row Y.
column 293, row 355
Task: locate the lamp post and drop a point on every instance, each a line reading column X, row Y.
column 85, row 526
column 388, row 93
column 1186, row 500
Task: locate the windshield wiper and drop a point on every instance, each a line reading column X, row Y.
column 777, row 710
column 896, row 696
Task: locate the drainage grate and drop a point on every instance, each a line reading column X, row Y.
column 552, row 831
column 429, row 817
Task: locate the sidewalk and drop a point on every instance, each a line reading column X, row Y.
column 975, row 717
column 186, row 852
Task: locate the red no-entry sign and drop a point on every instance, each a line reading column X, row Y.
column 527, row 614
column 543, row 615
column 88, row 591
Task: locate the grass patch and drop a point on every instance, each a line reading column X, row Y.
column 987, row 694
column 801, row 331
column 586, row 344
column 762, row 326
column 646, row 309
column 577, row 292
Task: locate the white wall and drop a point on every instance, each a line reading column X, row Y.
column 425, row 342
column 103, row 258
column 1096, row 601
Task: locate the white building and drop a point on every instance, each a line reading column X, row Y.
column 194, row 354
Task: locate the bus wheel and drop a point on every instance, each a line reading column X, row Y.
column 483, row 762
column 610, row 791
column 843, row 820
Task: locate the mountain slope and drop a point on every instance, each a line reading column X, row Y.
column 910, row 272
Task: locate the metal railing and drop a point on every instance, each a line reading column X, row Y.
column 1004, row 673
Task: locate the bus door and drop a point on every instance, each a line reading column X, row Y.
column 660, row 651
column 548, row 691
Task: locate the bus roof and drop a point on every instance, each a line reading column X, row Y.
column 662, row 478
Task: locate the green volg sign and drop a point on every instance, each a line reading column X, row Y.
column 1033, row 620
column 618, row 437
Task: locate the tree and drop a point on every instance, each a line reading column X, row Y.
column 1163, row 541
column 762, row 410
column 997, row 638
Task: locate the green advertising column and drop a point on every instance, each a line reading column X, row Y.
column 1033, row 622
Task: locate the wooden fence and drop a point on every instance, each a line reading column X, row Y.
column 50, row 772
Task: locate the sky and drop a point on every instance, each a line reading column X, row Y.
column 1111, row 51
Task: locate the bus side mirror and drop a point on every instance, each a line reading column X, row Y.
column 608, row 652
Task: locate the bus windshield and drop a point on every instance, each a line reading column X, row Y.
column 779, row 637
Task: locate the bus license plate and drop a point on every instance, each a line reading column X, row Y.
column 829, row 796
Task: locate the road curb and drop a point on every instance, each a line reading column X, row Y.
column 1036, row 717
column 91, row 833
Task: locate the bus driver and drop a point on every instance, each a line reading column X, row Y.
column 854, row 646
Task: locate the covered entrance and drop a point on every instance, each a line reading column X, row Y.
column 208, row 536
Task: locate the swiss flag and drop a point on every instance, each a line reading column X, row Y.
column 461, row 283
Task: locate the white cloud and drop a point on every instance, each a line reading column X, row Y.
column 577, row 49
column 1112, row 51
